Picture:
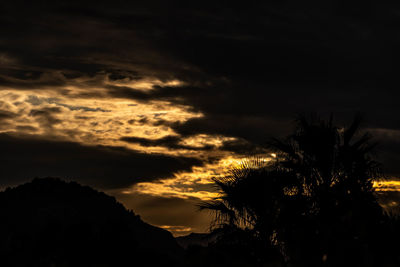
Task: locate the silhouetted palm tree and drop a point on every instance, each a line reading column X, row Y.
column 327, row 158
column 336, row 168
column 255, row 198
column 315, row 202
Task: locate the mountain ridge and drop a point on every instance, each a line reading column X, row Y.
column 50, row 222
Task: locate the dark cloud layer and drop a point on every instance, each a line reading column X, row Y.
column 173, row 142
column 387, row 150
column 6, row 115
column 21, row 159
column 248, row 68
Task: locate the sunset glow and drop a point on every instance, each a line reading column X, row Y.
column 149, row 102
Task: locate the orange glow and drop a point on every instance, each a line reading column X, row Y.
column 388, row 185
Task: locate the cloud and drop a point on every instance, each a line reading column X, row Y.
column 6, row 115
column 254, row 128
column 248, row 73
column 23, row 158
column 171, row 142
column 90, row 121
column 388, row 149
column 263, row 58
column 46, row 117
column 34, row 100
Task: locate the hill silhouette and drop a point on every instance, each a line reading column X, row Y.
column 49, row 222
column 196, row 239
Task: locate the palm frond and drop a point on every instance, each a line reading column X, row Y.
column 352, row 129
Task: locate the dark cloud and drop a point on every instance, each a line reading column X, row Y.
column 242, row 146
column 387, row 150
column 257, row 129
column 128, row 92
column 46, row 117
column 23, row 158
column 25, row 80
column 45, row 111
column 7, row 115
column 249, row 68
column 25, row 128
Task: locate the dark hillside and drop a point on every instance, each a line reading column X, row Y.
column 49, row 222
column 196, row 239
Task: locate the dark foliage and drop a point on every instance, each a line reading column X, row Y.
column 49, row 222
column 231, row 247
column 314, row 205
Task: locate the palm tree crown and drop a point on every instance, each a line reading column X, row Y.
column 319, row 188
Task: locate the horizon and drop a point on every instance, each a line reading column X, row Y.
column 381, row 187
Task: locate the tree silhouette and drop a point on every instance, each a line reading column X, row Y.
column 257, row 198
column 336, row 168
column 314, row 203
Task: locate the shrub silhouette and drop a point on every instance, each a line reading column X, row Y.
column 314, row 204
column 49, row 222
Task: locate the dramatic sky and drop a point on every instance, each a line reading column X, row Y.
column 148, row 100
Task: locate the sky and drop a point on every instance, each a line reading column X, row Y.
column 149, row 100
